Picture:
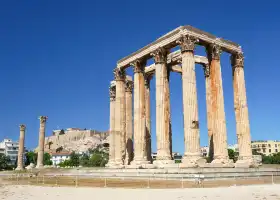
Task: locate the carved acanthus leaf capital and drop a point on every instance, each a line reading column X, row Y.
column 128, row 86
column 22, row 127
column 237, row 60
column 148, row 78
column 112, row 91
column 160, row 55
column 139, row 65
column 119, row 74
column 206, row 69
column 214, row 52
column 43, row 119
column 187, row 43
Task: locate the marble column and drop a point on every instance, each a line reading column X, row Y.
column 40, row 158
column 221, row 158
column 206, row 69
column 20, row 161
column 129, row 121
column 148, row 117
column 192, row 156
column 120, row 117
column 112, row 126
column 164, row 152
column 241, row 112
column 140, row 155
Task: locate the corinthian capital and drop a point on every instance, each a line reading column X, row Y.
column 206, row 69
column 139, row 65
column 160, row 55
column 128, row 86
column 187, row 43
column 237, row 60
column 43, row 119
column 214, row 52
column 112, row 91
column 22, row 127
column 119, row 74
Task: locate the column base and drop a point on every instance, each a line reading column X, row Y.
column 222, row 162
column 165, row 164
column 192, row 161
column 110, row 163
column 19, row 169
column 39, row 166
column 245, row 163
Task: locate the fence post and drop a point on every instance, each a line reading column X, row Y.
column 272, row 179
column 43, row 179
column 182, row 182
column 76, row 181
column 56, row 180
column 105, row 182
column 17, row 179
column 148, row 182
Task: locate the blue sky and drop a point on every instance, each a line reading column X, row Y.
column 57, row 58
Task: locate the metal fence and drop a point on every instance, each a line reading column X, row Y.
column 85, row 180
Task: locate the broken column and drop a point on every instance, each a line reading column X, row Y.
column 192, row 156
column 42, row 130
column 221, row 158
column 20, row 161
column 241, row 112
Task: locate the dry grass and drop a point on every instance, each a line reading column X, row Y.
column 75, row 181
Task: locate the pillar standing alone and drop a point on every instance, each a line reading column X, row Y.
column 40, row 158
column 20, row 163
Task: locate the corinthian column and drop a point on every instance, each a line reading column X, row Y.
column 20, row 163
column 162, row 109
column 206, row 69
column 241, row 112
column 120, row 117
column 148, row 117
column 129, row 131
column 192, row 155
column 140, row 155
column 42, row 130
column 221, row 158
column 112, row 126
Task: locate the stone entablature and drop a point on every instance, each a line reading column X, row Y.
column 169, row 41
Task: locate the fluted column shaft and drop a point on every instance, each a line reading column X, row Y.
column 140, row 155
column 148, row 118
column 120, row 113
column 162, row 108
column 209, row 111
column 20, row 164
column 129, row 121
column 219, row 121
column 190, row 106
column 112, row 125
column 42, row 130
column 241, row 109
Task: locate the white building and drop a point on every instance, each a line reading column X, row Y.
column 10, row 148
column 59, row 157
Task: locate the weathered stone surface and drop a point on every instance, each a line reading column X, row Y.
column 129, row 122
column 20, row 163
column 41, row 148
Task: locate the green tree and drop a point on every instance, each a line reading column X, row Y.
column 47, row 159
column 4, row 161
column 84, row 160
column 74, row 159
column 31, row 157
column 232, row 154
column 99, row 157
